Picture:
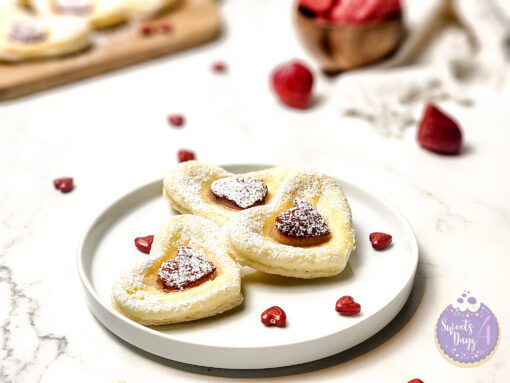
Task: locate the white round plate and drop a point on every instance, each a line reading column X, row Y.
column 379, row 280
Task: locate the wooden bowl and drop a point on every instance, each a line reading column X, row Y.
column 343, row 47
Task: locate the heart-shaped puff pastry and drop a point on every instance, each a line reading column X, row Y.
column 26, row 36
column 147, row 8
column 99, row 13
column 139, row 294
column 252, row 243
column 188, row 188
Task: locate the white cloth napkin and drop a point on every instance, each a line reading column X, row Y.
column 459, row 59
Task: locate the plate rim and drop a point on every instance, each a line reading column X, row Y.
column 92, row 292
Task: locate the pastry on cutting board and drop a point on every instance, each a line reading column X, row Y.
column 26, row 36
column 100, row 13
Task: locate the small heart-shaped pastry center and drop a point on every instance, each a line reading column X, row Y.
column 73, row 7
column 239, row 192
column 301, row 225
column 26, row 32
column 188, row 269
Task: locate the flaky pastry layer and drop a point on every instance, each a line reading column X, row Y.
column 249, row 232
column 137, row 295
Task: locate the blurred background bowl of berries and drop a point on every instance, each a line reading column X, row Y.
column 347, row 34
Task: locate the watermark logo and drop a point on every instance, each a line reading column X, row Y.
column 467, row 332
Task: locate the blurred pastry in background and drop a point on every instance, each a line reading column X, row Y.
column 100, row 13
column 147, row 8
column 25, row 36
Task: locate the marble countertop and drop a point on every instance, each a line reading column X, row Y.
column 110, row 134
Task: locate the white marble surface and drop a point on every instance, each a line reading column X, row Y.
column 110, row 134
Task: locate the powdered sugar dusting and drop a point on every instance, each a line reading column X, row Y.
column 27, row 31
column 254, row 247
column 302, row 221
column 188, row 187
column 74, row 7
column 243, row 191
column 132, row 295
column 189, row 267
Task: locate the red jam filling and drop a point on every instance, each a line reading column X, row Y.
column 239, row 192
column 73, row 7
column 188, row 269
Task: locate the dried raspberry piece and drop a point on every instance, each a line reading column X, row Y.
column 64, row 184
column 184, row 155
column 188, row 269
column 380, row 240
column 165, row 27
column 274, row 316
column 176, row 120
column 438, row 132
column 293, row 83
column 219, row 67
column 347, row 306
column 144, row 244
column 146, row 30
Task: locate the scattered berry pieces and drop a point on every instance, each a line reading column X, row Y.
column 274, row 316
column 438, row 132
column 64, row 184
column 293, row 83
column 347, row 306
column 219, row 67
column 144, row 244
column 176, row 120
column 146, row 30
column 415, row 381
column 165, row 27
column 184, row 155
column 380, row 240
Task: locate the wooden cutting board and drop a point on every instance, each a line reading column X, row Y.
column 194, row 22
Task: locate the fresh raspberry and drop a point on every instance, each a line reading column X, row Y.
column 219, row 67
column 316, row 6
column 176, row 120
column 438, row 132
column 361, row 11
column 380, row 240
column 293, row 83
column 64, row 184
column 184, row 155
column 415, row 381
